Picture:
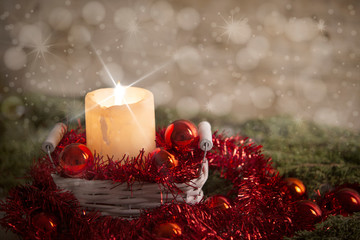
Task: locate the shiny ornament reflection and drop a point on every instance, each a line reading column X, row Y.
column 349, row 199
column 295, row 187
column 161, row 157
column 45, row 224
column 181, row 134
column 75, row 159
column 168, row 230
column 307, row 213
column 218, row 201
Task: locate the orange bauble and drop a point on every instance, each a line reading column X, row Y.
column 218, row 201
column 168, row 230
column 162, row 158
column 295, row 187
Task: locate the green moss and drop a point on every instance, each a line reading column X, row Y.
column 334, row 228
column 313, row 153
column 318, row 155
column 21, row 138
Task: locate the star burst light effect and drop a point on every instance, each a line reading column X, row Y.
column 236, row 29
column 38, row 49
column 321, row 25
column 119, row 93
column 41, row 49
column 209, row 107
column 120, row 90
column 133, row 29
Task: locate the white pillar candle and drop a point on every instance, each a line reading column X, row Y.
column 120, row 121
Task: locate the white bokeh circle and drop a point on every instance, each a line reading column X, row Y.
column 188, row 18
column 79, row 36
column 162, row 91
column 60, row 18
column 162, row 12
column 30, row 35
column 274, row 23
column 245, row 60
column 301, row 29
column 187, row 107
column 189, row 60
column 327, row 116
column 93, row 12
column 314, row 90
column 15, row 58
column 262, row 97
column 124, row 18
column 220, row 104
column 258, row 47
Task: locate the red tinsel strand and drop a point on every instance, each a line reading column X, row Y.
column 243, row 164
column 127, row 169
column 22, row 201
column 329, row 203
column 260, row 210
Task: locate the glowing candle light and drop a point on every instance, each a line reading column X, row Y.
column 120, row 121
column 119, row 94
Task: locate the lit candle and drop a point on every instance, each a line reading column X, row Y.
column 120, row 121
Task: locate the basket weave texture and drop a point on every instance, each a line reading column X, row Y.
column 122, row 200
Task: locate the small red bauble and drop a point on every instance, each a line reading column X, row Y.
column 349, row 199
column 75, row 159
column 181, row 134
column 168, row 230
column 295, row 187
column 218, row 201
column 44, row 223
column 161, row 157
column 308, row 212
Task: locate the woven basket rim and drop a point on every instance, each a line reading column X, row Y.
column 128, row 200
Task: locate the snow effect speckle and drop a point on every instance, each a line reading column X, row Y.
column 244, row 60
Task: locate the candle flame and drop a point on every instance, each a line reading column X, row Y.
column 119, row 94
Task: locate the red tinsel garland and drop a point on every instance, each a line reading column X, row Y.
column 260, row 209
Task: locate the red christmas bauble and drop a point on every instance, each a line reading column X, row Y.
column 75, row 159
column 308, row 212
column 181, row 134
column 218, row 201
column 349, row 199
column 44, row 223
column 295, row 187
column 168, row 230
column 161, row 157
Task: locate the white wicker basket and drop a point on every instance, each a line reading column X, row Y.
column 118, row 199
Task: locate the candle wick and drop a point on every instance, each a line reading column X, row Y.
column 119, row 94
